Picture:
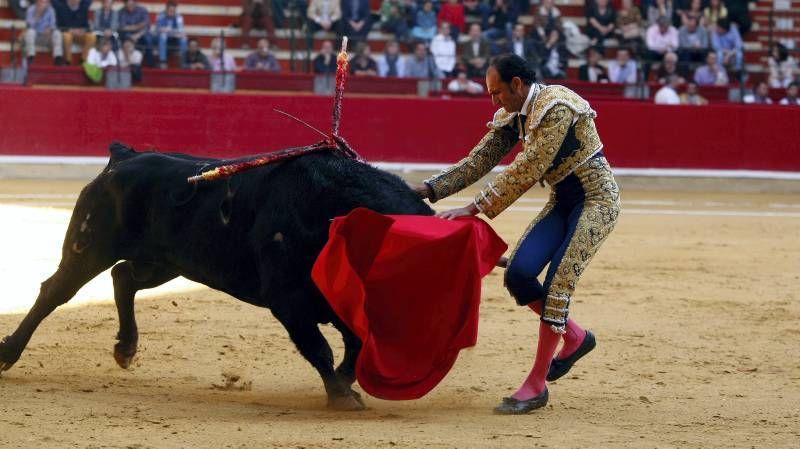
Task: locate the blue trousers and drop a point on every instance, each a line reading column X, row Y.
column 582, row 211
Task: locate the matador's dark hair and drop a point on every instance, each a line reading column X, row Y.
column 510, row 65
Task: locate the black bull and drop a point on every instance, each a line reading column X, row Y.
column 254, row 236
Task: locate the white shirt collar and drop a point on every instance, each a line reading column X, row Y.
column 534, row 90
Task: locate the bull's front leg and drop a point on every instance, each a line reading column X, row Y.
column 310, row 342
column 352, row 348
column 59, row 288
column 130, row 277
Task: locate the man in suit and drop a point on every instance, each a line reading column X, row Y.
column 520, row 45
column 475, row 52
column 357, row 19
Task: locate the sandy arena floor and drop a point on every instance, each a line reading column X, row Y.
column 694, row 301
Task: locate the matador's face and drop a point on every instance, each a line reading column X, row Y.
column 509, row 96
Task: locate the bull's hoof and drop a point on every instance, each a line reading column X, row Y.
column 123, row 354
column 350, row 402
column 8, row 356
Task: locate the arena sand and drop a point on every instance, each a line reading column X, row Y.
column 693, row 300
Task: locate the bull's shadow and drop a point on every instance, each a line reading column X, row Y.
column 254, row 236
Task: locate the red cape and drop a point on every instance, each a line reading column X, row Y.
column 409, row 286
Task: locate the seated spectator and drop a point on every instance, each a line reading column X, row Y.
column 425, row 28
column 221, row 60
column 576, row 42
column 553, row 59
column 393, row 19
column 325, row 61
column 362, row 63
column 522, row 47
column 131, row 58
column 256, row 14
column 324, row 15
column 539, row 33
column 782, row 67
column 134, row 23
column 727, row 42
column 106, row 20
column 593, row 71
column 421, row 64
column 692, row 41
column 443, row 49
column 692, row 96
column 501, row 18
column 98, row 60
column 391, row 63
column 623, row 69
column 711, row 74
column 169, row 26
column 462, row 84
column 549, row 11
column 72, row 18
column 669, row 93
column 452, row 12
column 356, row 19
column 659, row 8
column 475, row 52
column 760, row 94
column 41, row 22
column 601, row 18
column 476, row 11
column 102, row 57
column 791, row 95
column 661, row 38
column 669, row 67
column 262, row 59
column 690, row 9
column 629, row 25
column 195, row 58
column 738, row 13
column 714, row 12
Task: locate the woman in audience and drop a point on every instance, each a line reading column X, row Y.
column 629, row 26
column 782, row 66
column 714, row 12
column 601, row 17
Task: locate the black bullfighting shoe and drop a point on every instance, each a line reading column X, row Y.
column 558, row 368
column 511, row 406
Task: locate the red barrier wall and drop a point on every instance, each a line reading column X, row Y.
column 83, row 122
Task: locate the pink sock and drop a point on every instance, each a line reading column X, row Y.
column 572, row 339
column 534, row 385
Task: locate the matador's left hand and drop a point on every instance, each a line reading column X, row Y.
column 466, row 211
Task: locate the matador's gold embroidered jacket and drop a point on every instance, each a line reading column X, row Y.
column 558, row 136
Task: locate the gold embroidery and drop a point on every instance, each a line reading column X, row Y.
column 486, row 155
column 530, row 165
column 553, row 95
column 501, row 119
column 586, row 133
column 599, row 215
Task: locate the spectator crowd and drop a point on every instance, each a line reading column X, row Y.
column 681, row 44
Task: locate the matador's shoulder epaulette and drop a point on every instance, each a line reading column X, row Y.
column 554, row 95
